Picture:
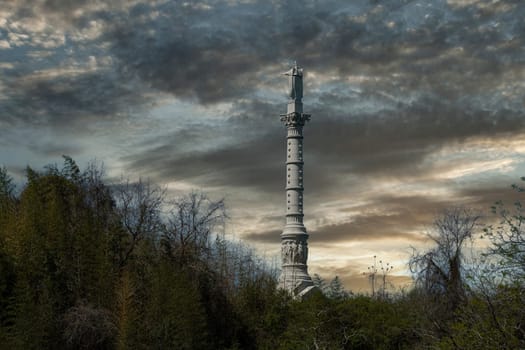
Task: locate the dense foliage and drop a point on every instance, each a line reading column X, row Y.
column 87, row 265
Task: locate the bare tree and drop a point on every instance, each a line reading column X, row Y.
column 439, row 270
column 191, row 222
column 139, row 206
column 508, row 238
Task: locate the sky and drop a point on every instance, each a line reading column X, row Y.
column 416, row 106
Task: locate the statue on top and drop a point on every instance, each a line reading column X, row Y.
column 295, row 82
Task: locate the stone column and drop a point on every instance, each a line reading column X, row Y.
column 294, row 246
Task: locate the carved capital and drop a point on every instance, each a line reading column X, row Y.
column 295, row 119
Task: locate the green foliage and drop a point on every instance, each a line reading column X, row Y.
column 263, row 311
column 60, row 257
column 88, row 266
column 489, row 322
column 174, row 317
column 7, row 186
column 332, row 290
column 8, row 206
column 354, row 323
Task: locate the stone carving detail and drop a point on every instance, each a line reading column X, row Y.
column 294, row 252
column 295, row 119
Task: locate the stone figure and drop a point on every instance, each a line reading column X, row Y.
column 289, row 252
column 294, row 251
column 284, row 253
column 295, row 83
column 300, row 253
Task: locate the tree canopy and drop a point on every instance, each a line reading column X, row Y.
column 89, row 265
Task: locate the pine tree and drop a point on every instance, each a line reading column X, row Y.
column 336, row 290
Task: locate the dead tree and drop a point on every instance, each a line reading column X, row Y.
column 438, row 271
column 192, row 221
column 138, row 206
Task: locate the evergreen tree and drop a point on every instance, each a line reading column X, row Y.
column 336, row 290
column 320, row 283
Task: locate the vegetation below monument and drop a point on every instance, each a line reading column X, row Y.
column 85, row 265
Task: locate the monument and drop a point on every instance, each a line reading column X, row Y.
column 294, row 239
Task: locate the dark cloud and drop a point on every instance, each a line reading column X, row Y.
column 361, row 228
column 53, row 149
column 406, row 218
column 255, row 157
column 221, row 51
column 58, row 78
column 369, row 227
column 257, row 163
column 217, row 53
column 383, row 218
column 484, row 195
column 272, row 236
column 395, row 143
column 184, row 53
column 337, row 147
column 69, row 101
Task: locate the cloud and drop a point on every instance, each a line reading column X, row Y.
column 484, row 195
column 338, row 148
column 65, row 99
column 223, row 51
column 256, row 164
column 388, row 217
column 384, row 218
column 4, row 44
column 60, row 83
column 213, row 57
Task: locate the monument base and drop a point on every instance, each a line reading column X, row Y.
column 296, row 281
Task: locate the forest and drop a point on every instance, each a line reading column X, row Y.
column 86, row 264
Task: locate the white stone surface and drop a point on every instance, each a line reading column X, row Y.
column 294, row 239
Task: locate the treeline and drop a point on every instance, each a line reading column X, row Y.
column 88, row 265
column 91, row 266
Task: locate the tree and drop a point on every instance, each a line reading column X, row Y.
column 439, row 270
column 192, row 220
column 508, row 238
column 336, row 290
column 8, row 205
column 86, row 265
column 494, row 316
column 88, row 327
column 320, row 283
column 7, row 186
column 138, row 206
column 174, row 316
column 60, row 256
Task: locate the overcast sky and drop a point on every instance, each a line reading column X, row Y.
column 416, row 106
